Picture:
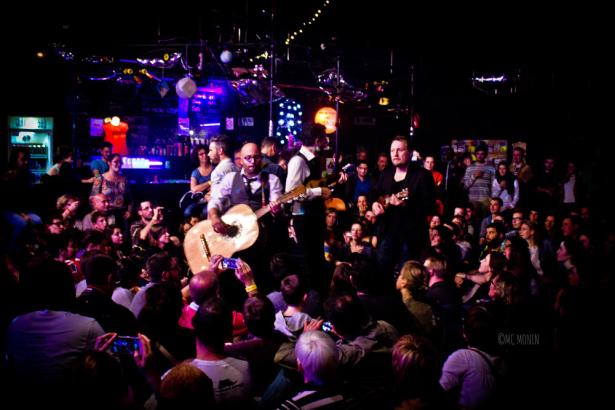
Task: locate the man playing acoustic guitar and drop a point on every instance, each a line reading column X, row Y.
column 403, row 222
column 250, row 186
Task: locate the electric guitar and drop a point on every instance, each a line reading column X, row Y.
column 201, row 241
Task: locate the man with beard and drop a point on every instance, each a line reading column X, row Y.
column 307, row 229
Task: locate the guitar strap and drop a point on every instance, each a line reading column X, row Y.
column 264, row 186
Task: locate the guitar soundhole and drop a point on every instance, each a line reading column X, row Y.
column 233, row 230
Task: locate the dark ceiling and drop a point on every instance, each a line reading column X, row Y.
column 559, row 53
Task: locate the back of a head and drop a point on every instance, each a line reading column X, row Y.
column 203, row 286
column 480, row 328
column 436, row 266
column 280, row 265
column 97, row 381
column 415, row 275
column 186, row 387
column 416, row 366
column 363, row 274
column 318, row 356
column 347, row 314
column 311, row 133
column 213, row 323
column 47, row 284
column 162, row 310
column 259, row 315
column 98, row 269
column 156, row 265
column 267, row 142
column 293, row 289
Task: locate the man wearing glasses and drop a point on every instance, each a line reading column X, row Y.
column 250, row 186
column 256, row 188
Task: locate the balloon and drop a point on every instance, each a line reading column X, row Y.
column 226, row 56
column 185, row 88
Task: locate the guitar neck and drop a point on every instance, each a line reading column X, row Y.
column 289, row 196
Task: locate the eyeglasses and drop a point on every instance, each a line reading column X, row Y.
column 250, row 158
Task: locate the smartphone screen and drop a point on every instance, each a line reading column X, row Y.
column 229, row 263
column 125, row 345
column 326, row 327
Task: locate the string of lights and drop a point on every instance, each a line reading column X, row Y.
column 311, row 20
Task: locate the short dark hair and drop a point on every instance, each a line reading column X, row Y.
column 223, row 142
column 259, row 315
column 98, row 268
column 156, row 265
column 213, row 323
column 347, row 314
column 293, row 290
column 267, row 142
column 482, row 147
column 311, row 133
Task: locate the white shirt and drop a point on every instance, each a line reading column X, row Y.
column 298, row 171
column 220, row 197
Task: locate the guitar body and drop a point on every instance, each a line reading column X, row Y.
column 243, row 233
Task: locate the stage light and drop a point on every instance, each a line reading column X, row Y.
column 327, row 116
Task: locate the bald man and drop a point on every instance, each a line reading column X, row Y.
column 256, row 188
column 251, row 186
column 204, row 286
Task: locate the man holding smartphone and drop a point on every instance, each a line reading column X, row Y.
column 148, row 229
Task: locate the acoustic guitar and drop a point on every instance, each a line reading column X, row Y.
column 201, row 241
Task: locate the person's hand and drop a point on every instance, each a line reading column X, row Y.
column 377, row 208
column 395, row 201
column 326, row 192
column 244, row 273
column 219, row 226
column 214, row 264
column 347, row 237
column 459, row 279
column 503, row 184
column 478, row 174
column 143, row 357
column 158, row 215
column 311, row 325
column 343, row 178
column 274, row 207
column 104, row 341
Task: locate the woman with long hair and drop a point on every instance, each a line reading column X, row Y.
column 506, row 187
column 115, row 186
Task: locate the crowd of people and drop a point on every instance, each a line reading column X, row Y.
column 389, row 284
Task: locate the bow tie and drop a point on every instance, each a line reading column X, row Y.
column 250, row 180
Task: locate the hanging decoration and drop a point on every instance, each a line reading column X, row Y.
column 289, row 124
column 336, row 87
column 305, row 24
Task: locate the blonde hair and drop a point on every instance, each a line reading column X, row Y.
column 415, row 276
column 64, row 200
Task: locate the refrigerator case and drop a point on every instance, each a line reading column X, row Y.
column 35, row 133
